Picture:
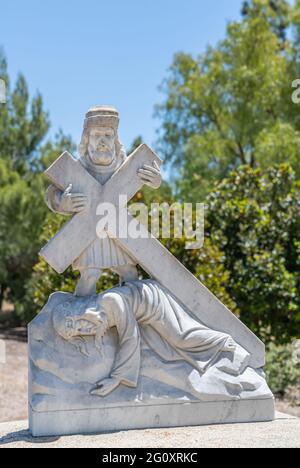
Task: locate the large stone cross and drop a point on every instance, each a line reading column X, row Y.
column 78, row 234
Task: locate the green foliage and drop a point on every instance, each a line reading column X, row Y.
column 23, row 123
column 52, row 149
column 274, row 144
column 207, row 264
column 276, row 12
column 281, row 370
column 22, row 213
column 232, row 105
column 254, row 219
column 135, row 144
column 295, row 19
column 211, row 271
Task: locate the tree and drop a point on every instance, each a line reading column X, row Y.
column 22, row 214
column 23, row 123
column 23, row 156
column 254, row 219
column 223, row 108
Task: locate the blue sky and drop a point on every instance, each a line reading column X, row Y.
column 79, row 53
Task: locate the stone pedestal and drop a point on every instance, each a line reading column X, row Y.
column 141, row 416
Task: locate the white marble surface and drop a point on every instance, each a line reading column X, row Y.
column 155, row 416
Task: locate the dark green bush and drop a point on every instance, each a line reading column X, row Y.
column 282, row 369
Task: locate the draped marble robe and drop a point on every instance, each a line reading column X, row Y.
column 145, row 308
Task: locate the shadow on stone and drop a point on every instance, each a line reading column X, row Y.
column 25, row 436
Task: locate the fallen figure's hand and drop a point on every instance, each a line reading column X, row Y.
column 105, row 387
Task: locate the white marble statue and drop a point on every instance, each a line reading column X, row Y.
column 102, row 154
column 150, row 353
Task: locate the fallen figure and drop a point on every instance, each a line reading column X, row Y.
column 144, row 310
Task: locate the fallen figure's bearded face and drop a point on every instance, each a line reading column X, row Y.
column 74, row 327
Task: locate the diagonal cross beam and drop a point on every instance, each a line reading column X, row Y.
column 152, row 256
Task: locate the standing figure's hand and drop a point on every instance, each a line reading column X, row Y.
column 151, row 175
column 73, row 202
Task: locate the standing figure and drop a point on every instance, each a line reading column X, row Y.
column 102, row 154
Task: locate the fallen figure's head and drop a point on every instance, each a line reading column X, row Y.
column 74, row 327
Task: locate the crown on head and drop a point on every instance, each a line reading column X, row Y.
column 102, row 116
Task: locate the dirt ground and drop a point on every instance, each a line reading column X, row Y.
column 13, row 380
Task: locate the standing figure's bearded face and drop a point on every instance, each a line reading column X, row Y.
column 101, row 146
